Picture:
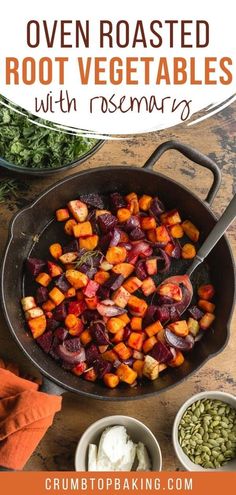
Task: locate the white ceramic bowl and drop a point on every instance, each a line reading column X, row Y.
column 138, row 433
column 183, row 458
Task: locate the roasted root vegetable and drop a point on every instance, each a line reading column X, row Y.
column 99, row 306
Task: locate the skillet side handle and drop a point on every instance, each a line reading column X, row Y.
column 193, row 155
column 48, row 387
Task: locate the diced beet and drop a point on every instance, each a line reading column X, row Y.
column 114, row 281
column 163, row 313
column 45, row 341
column 132, row 223
column 41, row 295
column 156, row 208
column 161, row 352
column 73, row 345
column 117, row 201
column 61, row 333
column 102, row 367
column 103, row 292
column 99, row 333
column 136, row 234
column 71, row 247
column 76, row 307
column 52, row 324
column 53, row 351
column 164, row 258
column 150, row 315
column 67, row 366
column 92, row 353
column 89, row 315
column 93, row 199
column 104, row 241
column 70, row 357
column 60, row 312
column 164, row 300
column 93, row 220
column 195, row 312
column 91, row 288
column 107, row 222
column 174, row 313
column 115, row 239
column 127, row 333
column 140, row 270
column 62, row 283
column 180, row 343
column 35, row 266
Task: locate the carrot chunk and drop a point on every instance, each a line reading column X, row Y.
column 116, row 254
column 111, row 380
column 188, row 251
column 62, row 214
column 43, row 279
column 123, row 214
column 126, row 374
column 55, row 250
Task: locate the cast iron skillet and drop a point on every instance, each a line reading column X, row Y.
column 34, row 228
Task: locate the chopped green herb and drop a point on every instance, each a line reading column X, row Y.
column 26, row 144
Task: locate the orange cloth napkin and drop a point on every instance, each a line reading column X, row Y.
column 25, row 416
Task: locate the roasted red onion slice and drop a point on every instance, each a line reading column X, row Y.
column 70, row 357
column 109, row 309
column 180, row 343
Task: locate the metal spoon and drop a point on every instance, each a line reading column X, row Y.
column 212, row 239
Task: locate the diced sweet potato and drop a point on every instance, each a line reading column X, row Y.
column 193, row 326
column 123, row 214
column 151, row 266
column 90, row 375
column 79, row 369
column 206, row 306
column 121, row 297
column 71, row 292
column 188, row 251
column 177, row 360
column 138, row 367
column 148, row 286
column 133, row 203
column 145, row 202
column 111, row 380
column 148, row 223
column 124, row 269
column 90, row 242
column 92, row 302
column 171, row 218
column 125, row 318
column 56, row 296
column 149, row 344
column 170, row 290
column 137, row 306
column 151, row 235
column 118, row 336
column 132, row 284
column 154, row 328
column 28, row 303
column 82, row 229
column 136, row 323
column 162, row 234
column 55, row 250
column 77, row 329
column 190, row 230
column 206, row 291
column 123, row 351
column 78, row 209
column 126, row 374
column 206, row 321
column 68, row 257
column 177, row 231
column 109, row 356
column 180, row 328
column 37, row 326
column 43, row 279
column 33, row 313
column 76, row 278
column 62, row 214
column 48, row 305
column 85, row 337
column 150, row 368
column 115, row 324
column 135, row 340
column 116, row 254
column 68, row 227
column 101, row 276
column 71, row 320
column 54, row 270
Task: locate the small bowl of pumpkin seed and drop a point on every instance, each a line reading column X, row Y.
column 204, row 432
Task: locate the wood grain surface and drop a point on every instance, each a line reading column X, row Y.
column 216, row 138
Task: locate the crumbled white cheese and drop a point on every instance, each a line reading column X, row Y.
column 144, row 463
column 92, row 457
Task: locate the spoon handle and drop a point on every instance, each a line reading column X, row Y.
column 215, row 235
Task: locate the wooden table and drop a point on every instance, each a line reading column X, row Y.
column 216, row 138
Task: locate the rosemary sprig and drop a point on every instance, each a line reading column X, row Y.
column 87, row 258
column 8, row 187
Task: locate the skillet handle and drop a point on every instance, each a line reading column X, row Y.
column 194, row 155
column 51, row 388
